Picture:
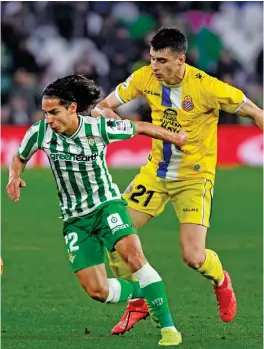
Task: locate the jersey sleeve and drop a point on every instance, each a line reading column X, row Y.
column 29, row 144
column 132, row 87
column 116, row 130
column 220, row 95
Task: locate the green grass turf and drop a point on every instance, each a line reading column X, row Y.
column 44, row 307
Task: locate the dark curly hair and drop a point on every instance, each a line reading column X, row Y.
column 171, row 38
column 74, row 89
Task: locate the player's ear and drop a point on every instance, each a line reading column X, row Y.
column 73, row 107
column 182, row 59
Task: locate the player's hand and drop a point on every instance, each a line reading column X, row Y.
column 180, row 138
column 105, row 112
column 13, row 188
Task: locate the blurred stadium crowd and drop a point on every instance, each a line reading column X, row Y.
column 106, row 41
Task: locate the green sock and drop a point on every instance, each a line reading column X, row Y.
column 156, row 297
column 129, row 290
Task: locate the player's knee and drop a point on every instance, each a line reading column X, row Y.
column 194, row 259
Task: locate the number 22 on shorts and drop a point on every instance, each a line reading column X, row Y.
column 71, row 240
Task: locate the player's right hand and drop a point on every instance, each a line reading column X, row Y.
column 13, row 188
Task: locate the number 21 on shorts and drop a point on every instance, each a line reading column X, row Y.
column 142, row 191
column 71, row 240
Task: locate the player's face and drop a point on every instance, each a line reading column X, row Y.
column 167, row 64
column 59, row 117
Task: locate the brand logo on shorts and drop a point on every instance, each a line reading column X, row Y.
column 115, row 222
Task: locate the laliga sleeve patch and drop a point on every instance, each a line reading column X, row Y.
column 126, row 83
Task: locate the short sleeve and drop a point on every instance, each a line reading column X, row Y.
column 116, row 130
column 220, row 95
column 132, row 87
column 29, row 144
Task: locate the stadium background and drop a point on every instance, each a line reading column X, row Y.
column 42, row 304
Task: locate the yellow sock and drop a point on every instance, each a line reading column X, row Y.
column 119, row 267
column 212, row 268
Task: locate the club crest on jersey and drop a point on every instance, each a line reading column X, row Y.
column 91, row 141
column 187, row 103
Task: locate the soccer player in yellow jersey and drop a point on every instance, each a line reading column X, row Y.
column 180, row 97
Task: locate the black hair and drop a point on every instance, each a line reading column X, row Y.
column 74, row 89
column 171, row 38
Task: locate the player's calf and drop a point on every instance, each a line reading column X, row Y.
column 192, row 238
column 94, row 283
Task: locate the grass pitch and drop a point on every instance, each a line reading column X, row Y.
column 43, row 306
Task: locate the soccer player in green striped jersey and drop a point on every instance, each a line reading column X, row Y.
column 93, row 212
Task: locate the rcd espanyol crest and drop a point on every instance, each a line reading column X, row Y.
column 187, row 103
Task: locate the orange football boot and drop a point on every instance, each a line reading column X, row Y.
column 226, row 299
column 136, row 310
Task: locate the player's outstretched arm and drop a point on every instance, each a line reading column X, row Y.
column 106, row 106
column 153, row 131
column 252, row 110
column 15, row 182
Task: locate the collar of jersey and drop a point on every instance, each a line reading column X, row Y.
column 180, row 83
column 76, row 132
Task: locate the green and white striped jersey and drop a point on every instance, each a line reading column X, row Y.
column 78, row 162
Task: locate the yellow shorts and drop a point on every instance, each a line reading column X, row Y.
column 192, row 198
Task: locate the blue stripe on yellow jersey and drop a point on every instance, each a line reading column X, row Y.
column 193, row 105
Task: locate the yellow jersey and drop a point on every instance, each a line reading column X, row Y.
column 192, row 105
